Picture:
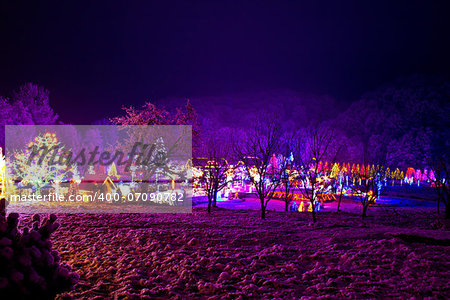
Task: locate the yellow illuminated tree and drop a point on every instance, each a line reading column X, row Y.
column 41, row 171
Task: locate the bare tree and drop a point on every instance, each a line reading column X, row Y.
column 255, row 151
column 288, row 190
column 313, row 147
column 367, row 185
column 337, row 175
column 338, row 209
column 367, row 180
column 213, row 161
column 437, row 157
column 439, row 175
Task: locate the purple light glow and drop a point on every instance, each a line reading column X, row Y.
column 318, row 164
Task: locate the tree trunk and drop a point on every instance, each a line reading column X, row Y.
column 364, row 211
column 209, row 202
column 263, row 209
column 447, row 211
column 215, row 199
column 339, row 202
column 286, row 205
column 314, row 213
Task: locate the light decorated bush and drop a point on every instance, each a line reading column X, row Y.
column 29, row 267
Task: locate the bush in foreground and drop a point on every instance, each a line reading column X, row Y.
column 29, row 268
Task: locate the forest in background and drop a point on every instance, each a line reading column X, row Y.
column 402, row 121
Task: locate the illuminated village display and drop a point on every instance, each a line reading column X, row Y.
column 335, row 179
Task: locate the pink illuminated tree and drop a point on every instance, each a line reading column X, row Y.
column 150, row 114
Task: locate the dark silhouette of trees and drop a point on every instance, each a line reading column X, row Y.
column 400, row 119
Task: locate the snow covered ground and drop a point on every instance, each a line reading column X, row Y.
column 394, row 253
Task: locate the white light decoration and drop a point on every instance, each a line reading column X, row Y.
column 44, row 173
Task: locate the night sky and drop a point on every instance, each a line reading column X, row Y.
column 96, row 56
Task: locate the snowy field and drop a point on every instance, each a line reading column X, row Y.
column 394, row 253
